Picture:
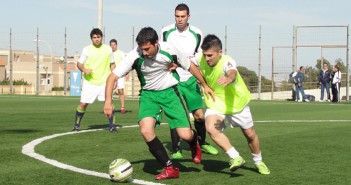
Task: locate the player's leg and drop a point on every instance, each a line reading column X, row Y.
column 177, row 117
column 80, row 111
column 199, row 123
column 88, row 96
column 215, row 126
column 148, row 111
column 101, row 97
column 120, row 89
column 245, row 121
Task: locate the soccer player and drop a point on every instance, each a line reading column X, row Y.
column 96, row 62
column 186, row 39
column 118, row 56
column 230, row 104
column 151, row 59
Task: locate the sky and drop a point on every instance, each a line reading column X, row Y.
column 241, row 19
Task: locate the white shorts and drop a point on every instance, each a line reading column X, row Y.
column 120, row 84
column 91, row 92
column 242, row 119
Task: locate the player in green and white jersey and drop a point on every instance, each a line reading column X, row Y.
column 118, row 55
column 153, row 61
column 186, row 39
column 96, row 62
column 231, row 103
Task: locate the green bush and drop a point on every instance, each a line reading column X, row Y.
column 15, row 82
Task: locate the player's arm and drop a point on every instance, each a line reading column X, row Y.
column 111, row 80
column 80, row 64
column 196, row 72
column 230, row 73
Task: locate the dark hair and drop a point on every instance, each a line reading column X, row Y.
column 113, row 40
column 182, row 7
column 211, row 41
column 301, row 67
column 95, row 31
column 146, row 35
column 337, row 67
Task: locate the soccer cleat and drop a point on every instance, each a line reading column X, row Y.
column 196, row 153
column 177, row 155
column 113, row 129
column 168, row 173
column 236, row 163
column 76, row 127
column 123, row 110
column 306, row 100
column 209, row 149
column 262, row 168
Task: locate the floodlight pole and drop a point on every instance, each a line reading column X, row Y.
column 65, row 66
column 37, row 67
column 100, row 14
column 11, row 67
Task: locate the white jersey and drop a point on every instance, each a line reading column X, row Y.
column 186, row 42
column 153, row 73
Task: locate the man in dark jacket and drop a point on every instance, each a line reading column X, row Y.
column 299, row 85
column 324, row 81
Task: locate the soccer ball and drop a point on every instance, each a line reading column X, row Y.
column 120, row 170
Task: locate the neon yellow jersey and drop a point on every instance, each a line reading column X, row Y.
column 99, row 60
column 230, row 99
column 118, row 56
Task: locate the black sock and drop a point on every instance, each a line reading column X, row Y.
column 79, row 117
column 111, row 120
column 194, row 140
column 201, row 131
column 175, row 140
column 159, row 152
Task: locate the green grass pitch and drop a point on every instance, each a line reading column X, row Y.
column 302, row 143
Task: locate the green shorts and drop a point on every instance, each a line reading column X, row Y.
column 190, row 91
column 168, row 100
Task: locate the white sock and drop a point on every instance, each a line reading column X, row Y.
column 257, row 158
column 232, row 153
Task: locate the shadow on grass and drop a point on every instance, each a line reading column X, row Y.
column 18, row 131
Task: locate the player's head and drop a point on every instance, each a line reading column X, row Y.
column 325, row 65
column 212, row 49
column 147, row 40
column 96, row 36
column 302, row 69
column 113, row 44
column 182, row 15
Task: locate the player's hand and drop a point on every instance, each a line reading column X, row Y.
column 172, row 66
column 108, row 110
column 224, row 81
column 209, row 92
column 88, row 71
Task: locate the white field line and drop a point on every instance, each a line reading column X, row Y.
column 301, row 121
column 28, row 149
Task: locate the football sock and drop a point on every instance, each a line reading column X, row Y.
column 159, row 152
column 79, row 115
column 194, row 140
column 201, row 131
column 112, row 119
column 257, row 158
column 175, row 140
column 232, row 153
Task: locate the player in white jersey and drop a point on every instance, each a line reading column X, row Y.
column 152, row 60
column 118, row 55
column 186, row 39
column 96, row 62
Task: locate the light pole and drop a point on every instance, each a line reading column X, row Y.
column 52, row 56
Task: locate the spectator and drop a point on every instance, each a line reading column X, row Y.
column 299, row 85
column 324, row 81
column 336, row 79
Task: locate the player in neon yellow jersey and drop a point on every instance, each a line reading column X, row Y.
column 230, row 105
column 118, row 55
column 96, row 62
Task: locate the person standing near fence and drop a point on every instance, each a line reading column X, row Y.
column 336, row 80
column 118, row 56
column 96, row 62
column 299, row 85
column 324, row 81
column 186, row 39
